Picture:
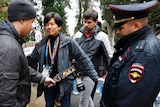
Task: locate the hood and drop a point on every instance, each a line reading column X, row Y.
column 6, row 28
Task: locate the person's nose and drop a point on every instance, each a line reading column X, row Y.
column 85, row 24
column 49, row 26
column 33, row 26
column 117, row 31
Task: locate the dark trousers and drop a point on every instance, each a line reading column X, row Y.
column 51, row 94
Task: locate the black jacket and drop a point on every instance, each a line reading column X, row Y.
column 134, row 76
column 15, row 76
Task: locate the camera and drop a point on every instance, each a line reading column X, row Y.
column 79, row 84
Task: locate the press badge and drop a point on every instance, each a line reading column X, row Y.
column 46, row 70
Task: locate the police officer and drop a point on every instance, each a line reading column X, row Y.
column 134, row 75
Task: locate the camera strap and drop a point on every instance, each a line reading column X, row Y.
column 71, row 70
column 70, row 51
column 58, row 77
column 76, row 74
column 73, row 61
column 62, row 75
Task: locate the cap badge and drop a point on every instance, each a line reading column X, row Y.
column 136, row 72
column 123, row 20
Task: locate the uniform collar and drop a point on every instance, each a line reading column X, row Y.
column 128, row 40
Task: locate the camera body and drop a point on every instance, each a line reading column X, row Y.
column 79, row 84
column 76, row 75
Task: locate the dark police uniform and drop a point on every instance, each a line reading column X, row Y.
column 134, row 76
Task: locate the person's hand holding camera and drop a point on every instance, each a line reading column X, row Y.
column 50, row 82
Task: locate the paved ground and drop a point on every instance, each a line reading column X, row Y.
column 39, row 102
column 75, row 100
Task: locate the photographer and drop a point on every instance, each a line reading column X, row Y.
column 52, row 54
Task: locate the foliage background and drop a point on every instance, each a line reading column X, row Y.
column 60, row 5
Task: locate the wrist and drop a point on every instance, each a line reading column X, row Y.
column 43, row 79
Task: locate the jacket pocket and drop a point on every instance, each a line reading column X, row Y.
column 117, row 68
column 112, row 80
column 8, row 85
column 6, row 78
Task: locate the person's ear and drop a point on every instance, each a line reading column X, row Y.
column 59, row 27
column 96, row 21
column 137, row 25
column 21, row 21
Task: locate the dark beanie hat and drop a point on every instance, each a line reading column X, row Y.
column 20, row 9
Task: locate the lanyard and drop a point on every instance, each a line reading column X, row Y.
column 52, row 54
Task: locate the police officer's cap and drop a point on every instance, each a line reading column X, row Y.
column 124, row 13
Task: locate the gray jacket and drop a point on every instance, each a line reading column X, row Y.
column 96, row 46
column 38, row 56
column 15, row 76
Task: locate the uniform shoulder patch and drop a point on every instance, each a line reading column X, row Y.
column 136, row 72
column 140, row 45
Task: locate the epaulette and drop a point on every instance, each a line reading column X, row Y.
column 140, row 46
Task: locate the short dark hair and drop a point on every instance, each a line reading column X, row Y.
column 91, row 13
column 56, row 16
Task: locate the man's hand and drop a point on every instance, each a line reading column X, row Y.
column 101, row 79
column 50, row 82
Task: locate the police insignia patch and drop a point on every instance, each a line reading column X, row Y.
column 136, row 72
